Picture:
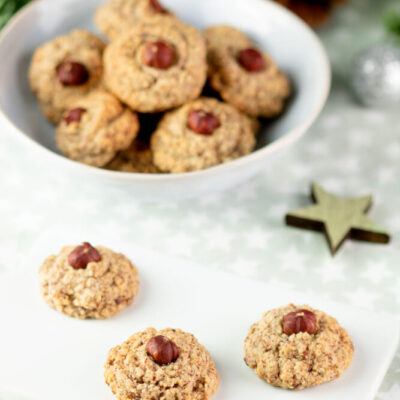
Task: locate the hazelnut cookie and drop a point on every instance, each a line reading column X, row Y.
column 158, row 65
column 95, row 128
column 201, row 134
column 88, row 282
column 137, row 158
column 118, row 16
column 65, row 69
column 243, row 75
column 296, row 347
column 169, row 364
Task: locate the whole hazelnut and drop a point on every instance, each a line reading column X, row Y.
column 299, row 321
column 82, row 255
column 74, row 115
column 158, row 55
column 251, row 60
column 157, row 7
column 202, row 122
column 72, row 73
column 162, row 350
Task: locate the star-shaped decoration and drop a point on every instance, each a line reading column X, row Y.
column 338, row 218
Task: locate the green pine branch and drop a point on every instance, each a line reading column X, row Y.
column 8, row 8
column 392, row 23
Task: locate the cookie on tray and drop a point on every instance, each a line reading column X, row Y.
column 243, row 75
column 169, row 364
column 157, row 65
column 296, row 347
column 88, row 282
column 65, row 69
column 201, row 134
column 137, row 158
column 118, row 16
column 95, row 128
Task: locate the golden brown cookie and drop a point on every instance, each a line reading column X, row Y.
column 95, row 128
column 64, row 70
column 88, row 282
column 296, row 347
column 157, row 65
column 137, row 158
column 201, row 134
column 118, row 16
column 243, row 75
column 169, row 364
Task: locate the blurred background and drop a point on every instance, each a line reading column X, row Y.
column 353, row 149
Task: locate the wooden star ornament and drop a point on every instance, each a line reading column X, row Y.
column 338, row 218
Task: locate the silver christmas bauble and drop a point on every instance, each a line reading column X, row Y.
column 376, row 76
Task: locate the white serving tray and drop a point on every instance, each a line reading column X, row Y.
column 46, row 355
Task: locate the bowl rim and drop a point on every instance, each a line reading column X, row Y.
column 290, row 137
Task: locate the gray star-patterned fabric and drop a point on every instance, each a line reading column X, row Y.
column 350, row 151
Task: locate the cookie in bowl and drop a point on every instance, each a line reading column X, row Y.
column 167, row 364
column 95, row 128
column 137, row 158
column 65, row 69
column 296, row 347
column 201, row 134
column 243, row 75
column 118, row 16
column 88, row 282
column 157, row 65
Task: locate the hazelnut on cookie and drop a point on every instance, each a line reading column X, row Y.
column 201, row 134
column 169, row 364
column 137, row 158
column 65, row 69
column 118, row 16
column 158, row 65
column 95, row 128
column 296, row 347
column 243, row 75
column 88, row 282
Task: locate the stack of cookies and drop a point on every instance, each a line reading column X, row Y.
column 155, row 65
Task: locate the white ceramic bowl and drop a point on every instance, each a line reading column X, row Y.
column 293, row 45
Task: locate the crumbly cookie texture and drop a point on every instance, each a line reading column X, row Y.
column 262, row 93
column 54, row 97
column 104, row 128
column 177, row 148
column 118, row 16
column 148, row 89
column 100, row 290
column 299, row 360
column 137, row 158
column 132, row 374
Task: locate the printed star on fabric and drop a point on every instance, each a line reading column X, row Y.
column 338, row 218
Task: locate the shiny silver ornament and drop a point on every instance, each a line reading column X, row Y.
column 376, row 76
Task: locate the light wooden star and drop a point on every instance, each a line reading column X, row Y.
column 338, row 218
